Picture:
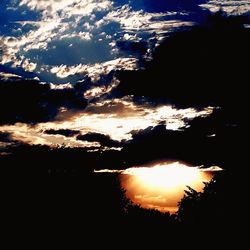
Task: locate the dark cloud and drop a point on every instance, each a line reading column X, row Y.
column 31, row 102
column 137, row 48
column 5, row 137
column 104, row 140
column 116, row 107
column 202, row 66
column 65, row 132
column 6, row 143
column 210, row 140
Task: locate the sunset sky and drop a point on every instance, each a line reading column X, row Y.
column 93, row 75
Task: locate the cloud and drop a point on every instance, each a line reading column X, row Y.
column 133, row 47
column 95, row 92
column 60, row 112
column 53, row 26
column 191, row 144
column 7, row 76
column 117, row 118
column 86, row 36
column 33, row 136
column 140, row 20
column 190, row 67
column 61, row 86
column 64, row 132
column 137, row 170
column 4, row 137
column 136, row 108
column 6, row 142
column 108, row 171
column 141, row 146
column 68, row 7
column 63, row 28
column 28, row 66
column 230, row 7
column 31, row 102
column 104, row 140
column 96, row 70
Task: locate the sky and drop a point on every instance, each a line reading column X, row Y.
column 65, row 43
column 156, row 186
column 87, row 74
column 42, row 39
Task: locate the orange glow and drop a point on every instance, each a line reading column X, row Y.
column 166, row 176
column 162, row 186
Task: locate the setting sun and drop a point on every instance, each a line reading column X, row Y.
column 161, row 186
column 166, row 176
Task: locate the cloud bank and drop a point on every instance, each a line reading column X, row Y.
column 59, row 41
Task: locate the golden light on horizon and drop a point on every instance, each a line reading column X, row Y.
column 162, row 186
column 166, row 176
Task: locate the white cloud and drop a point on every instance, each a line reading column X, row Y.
column 53, row 26
column 139, row 169
column 61, row 86
column 67, row 7
column 28, row 66
column 6, row 76
column 87, row 36
column 140, row 20
column 210, row 169
column 229, row 6
column 130, row 37
column 96, row 92
column 32, row 135
column 36, row 39
column 77, row 20
column 117, row 118
column 94, row 71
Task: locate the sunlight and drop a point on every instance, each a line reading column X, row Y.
column 117, row 118
column 161, row 186
column 166, row 176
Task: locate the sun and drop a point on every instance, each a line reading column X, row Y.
column 161, row 185
column 166, row 176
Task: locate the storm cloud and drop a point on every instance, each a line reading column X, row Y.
column 30, row 101
column 191, row 68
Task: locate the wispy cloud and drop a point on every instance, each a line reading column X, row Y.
column 69, row 23
column 139, row 20
column 32, row 135
column 94, row 71
column 229, row 6
column 162, row 166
